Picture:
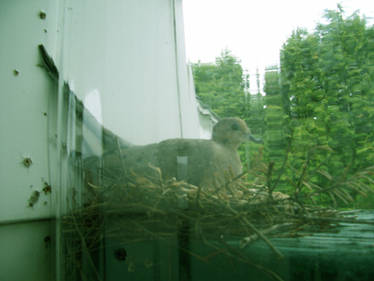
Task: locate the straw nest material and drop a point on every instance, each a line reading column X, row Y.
column 135, row 208
column 140, row 208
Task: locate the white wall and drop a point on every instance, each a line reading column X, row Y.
column 125, row 59
column 24, row 100
column 132, row 54
column 24, row 119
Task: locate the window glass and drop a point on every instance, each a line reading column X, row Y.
column 223, row 167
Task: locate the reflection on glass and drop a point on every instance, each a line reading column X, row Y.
column 153, row 206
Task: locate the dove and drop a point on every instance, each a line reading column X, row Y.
column 201, row 162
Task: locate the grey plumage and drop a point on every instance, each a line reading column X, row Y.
column 199, row 162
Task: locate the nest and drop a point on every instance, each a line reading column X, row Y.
column 136, row 208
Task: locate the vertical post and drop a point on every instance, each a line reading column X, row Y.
column 184, row 228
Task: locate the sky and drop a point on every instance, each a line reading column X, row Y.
column 254, row 31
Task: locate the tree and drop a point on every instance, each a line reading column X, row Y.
column 317, row 118
column 327, row 77
column 220, row 85
column 276, row 123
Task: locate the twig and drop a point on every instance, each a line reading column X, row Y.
column 283, row 165
column 302, row 175
column 245, row 241
column 85, row 246
column 263, row 237
column 236, row 178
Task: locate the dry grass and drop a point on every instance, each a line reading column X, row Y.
column 137, row 208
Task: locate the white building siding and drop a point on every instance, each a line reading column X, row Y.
column 124, row 59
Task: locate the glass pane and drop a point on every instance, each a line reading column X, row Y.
column 125, row 100
column 243, row 152
column 299, row 75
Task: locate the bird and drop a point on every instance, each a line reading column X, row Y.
column 201, row 162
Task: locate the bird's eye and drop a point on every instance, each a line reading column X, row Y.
column 235, row 127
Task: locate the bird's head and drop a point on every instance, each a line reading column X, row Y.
column 231, row 132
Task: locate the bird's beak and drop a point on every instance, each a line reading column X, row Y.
column 254, row 139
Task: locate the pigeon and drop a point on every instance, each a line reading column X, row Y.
column 200, row 162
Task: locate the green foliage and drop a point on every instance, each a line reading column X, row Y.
column 327, row 79
column 317, row 118
column 275, row 136
column 220, row 85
